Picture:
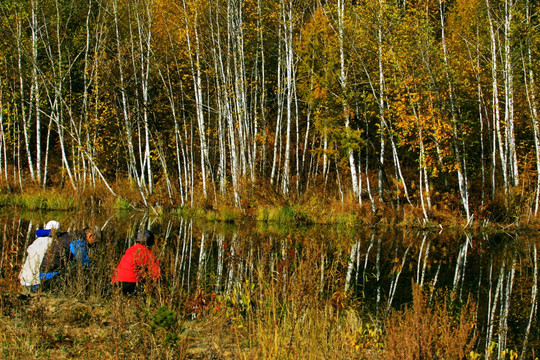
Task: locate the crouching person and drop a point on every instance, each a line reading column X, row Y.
column 30, row 272
column 69, row 247
column 138, row 264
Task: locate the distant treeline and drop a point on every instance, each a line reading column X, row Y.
column 429, row 102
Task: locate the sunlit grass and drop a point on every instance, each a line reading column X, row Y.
column 61, row 202
column 314, row 207
column 121, row 203
column 5, row 199
column 284, row 215
column 40, row 200
column 30, row 201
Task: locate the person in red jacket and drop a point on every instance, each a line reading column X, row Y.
column 138, row 264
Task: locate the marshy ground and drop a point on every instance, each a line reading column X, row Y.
column 46, row 325
column 265, row 291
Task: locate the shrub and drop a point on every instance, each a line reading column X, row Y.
column 428, row 332
column 121, row 204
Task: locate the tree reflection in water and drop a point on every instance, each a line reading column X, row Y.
column 369, row 269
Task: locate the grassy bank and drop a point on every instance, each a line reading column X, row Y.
column 83, row 319
column 268, row 207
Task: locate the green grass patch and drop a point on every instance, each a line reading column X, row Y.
column 229, row 214
column 41, row 200
column 31, row 201
column 5, row 199
column 121, row 203
column 190, row 212
column 346, row 219
column 61, row 202
column 284, row 215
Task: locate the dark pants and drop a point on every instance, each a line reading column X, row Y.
column 128, row 288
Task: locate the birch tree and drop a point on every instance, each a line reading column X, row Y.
column 530, row 90
column 195, row 64
column 143, row 14
column 132, row 168
column 460, row 160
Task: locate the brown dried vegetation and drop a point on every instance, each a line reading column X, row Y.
column 429, row 331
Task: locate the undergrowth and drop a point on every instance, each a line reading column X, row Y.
column 282, row 304
column 315, row 206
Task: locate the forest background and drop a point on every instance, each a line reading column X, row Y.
column 410, row 110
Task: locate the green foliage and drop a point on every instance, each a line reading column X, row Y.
column 50, row 200
column 228, row 214
column 262, row 214
column 121, row 204
column 191, row 212
column 164, row 318
column 30, row 201
column 61, row 202
column 284, row 215
column 165, row 324
column 5, row 199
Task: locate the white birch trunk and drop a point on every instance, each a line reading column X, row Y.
column 197, row 85
column 132, row 167
column 274, row 177
column 35, row 84
column 381, row 97
column 495, row 103
column 3, row 145
column 343, row 81
column 144, row 27
column 287, row 17
column 461, row 170
column 509, row 95
column 530, row 86
column 25, row 117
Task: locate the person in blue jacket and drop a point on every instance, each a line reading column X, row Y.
column 70, row 246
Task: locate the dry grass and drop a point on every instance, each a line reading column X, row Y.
column 284, row 312
column 319, row 204
column 287, row 312
column 429, row 331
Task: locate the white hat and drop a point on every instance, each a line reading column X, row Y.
column 52, row 225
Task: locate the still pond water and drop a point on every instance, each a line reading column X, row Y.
column 376, row 267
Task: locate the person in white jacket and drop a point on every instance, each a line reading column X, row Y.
column 30, row 272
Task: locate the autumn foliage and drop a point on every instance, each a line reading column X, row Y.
column 430, row 104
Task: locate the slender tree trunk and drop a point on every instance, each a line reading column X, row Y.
column 132, row 167
column 234, row 109
column 343, row 81
column 509, row 95
column 197, row 85
column 262, row 101
column 236, row 35
column 276, row 163
column 144, row 19
column 25, row 116
column 495, row 105
column 287, row 18
column 47, row 147
column 461, row 168
column 35, row 84
column 57, row 103
column 381, row 97
column 530, row 90
column 178, row 142
column 3, row 145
